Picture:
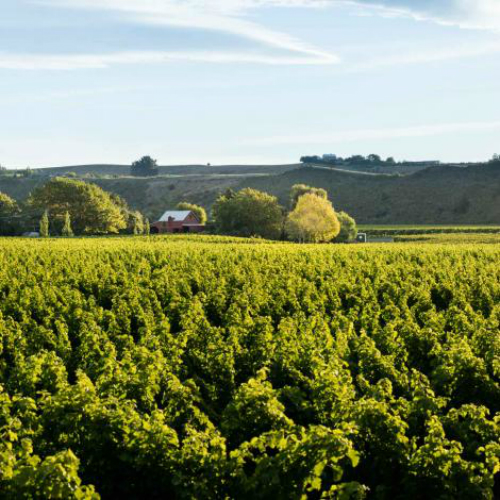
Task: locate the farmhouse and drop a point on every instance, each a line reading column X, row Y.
column 178, row 221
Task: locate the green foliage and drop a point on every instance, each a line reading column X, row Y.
column 91, row 209
column 299, row 190
column 147, row 228
column 24, row 474
column 211, row 367
column 135, row 223
column 7, row 205
column 348, row 229
column 66, row 230
column 44, row 225
column 145, row 167
column 198, row 211
column 313, row 220
column 254, row 410
column 8, row 210
column 248, row 213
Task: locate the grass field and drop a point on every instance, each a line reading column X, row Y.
column 412, row 229
column 472, row 238
column 208, row 367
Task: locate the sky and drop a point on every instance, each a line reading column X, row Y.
column 247, row 81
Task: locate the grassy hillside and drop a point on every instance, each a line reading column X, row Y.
column 444, row 195
column 124, row 170
column 439, row 195
column 152, row 196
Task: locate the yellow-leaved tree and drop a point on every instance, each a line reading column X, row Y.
column 312, row 221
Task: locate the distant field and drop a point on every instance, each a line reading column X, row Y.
column 451, row 238
column 409, row 229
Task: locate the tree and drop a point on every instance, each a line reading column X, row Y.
column 27, row 172
column 135, row 222
column 348, row 229
column 360, row 159
column 374, row 158
column 92, row 210
column 44, row 225
column 8, row 206
column 66, row 230
column 138, row 226
column 299, row 190
column 8, row 210
column 145, row 167
column 248, row 213
column 196, row 209
column 390, row 161
column 147, row 228
column 311, row 159
column 312, row 221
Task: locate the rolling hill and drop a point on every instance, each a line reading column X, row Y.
column 437, row 195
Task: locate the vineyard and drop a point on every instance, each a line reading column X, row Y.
column 220, row 368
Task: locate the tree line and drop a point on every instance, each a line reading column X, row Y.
column 66, row 207
column 309, row 217
column 372, row 160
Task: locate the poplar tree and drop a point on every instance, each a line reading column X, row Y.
column 44, row 225
column 66, row 230
column 137, row 228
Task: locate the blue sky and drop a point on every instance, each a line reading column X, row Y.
column 247, row 81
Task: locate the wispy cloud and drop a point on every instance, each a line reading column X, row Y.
column 56, row 62
column 422, row 56
column 471, row 14
column 377, row 134
column 272, row 47
column 228, row 16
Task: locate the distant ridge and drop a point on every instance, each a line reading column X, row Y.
column 111, row 169
column 441, row 194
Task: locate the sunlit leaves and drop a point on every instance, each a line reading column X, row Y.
column 217, row 368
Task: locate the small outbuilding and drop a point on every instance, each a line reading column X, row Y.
column 178, row 221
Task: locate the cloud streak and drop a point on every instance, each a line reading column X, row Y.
column 470, row 14
column 423, row 57
column 57, row 62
